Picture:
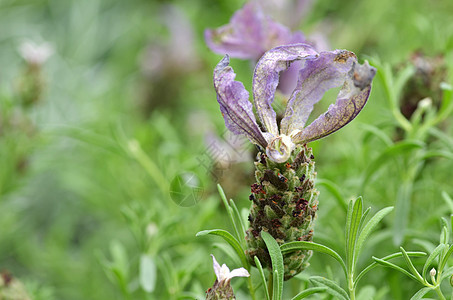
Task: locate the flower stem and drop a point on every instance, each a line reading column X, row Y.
column 351, row 287
column 250, row 286
column 439, row 292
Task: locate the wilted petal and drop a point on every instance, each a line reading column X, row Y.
column 234, row 104
column 350, row 101
column 266, row 78
column 327, row 71
column 249, row 34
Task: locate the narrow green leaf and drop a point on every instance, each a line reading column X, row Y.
column 402, row 209
column 393, row 266
column 419, row 295
column 229, row 211
column 263, row 278
column 445, row 258
column 352, row 234
column 411, row 266
column 230, row 240
column 446, row 274
column 401, row 79
column 401, row 148
column 432, row 257
column 303, row 245
column 363, row 218
column 446, row 105
column 276, row 294
column 388, row 257
column 147, row 273
column 309, row 292
column 448, row 200
column 369, row 227
column 377, row 132
column 368, row 292
column 332, row 287
column 277, row 263
column 240, row 221
column 348, row 219
column 333, row 189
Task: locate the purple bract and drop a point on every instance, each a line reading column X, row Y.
column 318, row 72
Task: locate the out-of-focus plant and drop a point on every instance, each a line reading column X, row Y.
column 168, row 59
column 413, row 147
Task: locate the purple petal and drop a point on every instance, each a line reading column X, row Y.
column 249, row 34
column 266, row 78
column 234, row 104
column 350, row 101
column 327, row 71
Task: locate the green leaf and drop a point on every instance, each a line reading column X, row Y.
column 230, row 240
column 445, row 258
column 448, row 200
column 277, row 264
column 380, row 134
column 147, row 273
column 263, row 278
column 411, row 266
column 447, row 273
column 393, row 266
column 432, row 257
column 391, row 152
column 402, row 209
column 367, row 293
column 421, row 293
column 229, row 211
column 332, row 287
column 388, row 257
column 333, row 189
column 303, row 245
column 369, row 227
column 309, row 292
column 238, row 216
column 352, row 231
column 363, row 218
column 400, row 80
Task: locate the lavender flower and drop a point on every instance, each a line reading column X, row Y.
column 250, row 33
column 319, row 73
column 222, row 288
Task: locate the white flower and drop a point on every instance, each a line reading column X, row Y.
column 35, row 54
column 223, row 272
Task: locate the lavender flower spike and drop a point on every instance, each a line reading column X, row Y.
column 319, row 73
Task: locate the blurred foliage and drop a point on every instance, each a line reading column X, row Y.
column 85, row 209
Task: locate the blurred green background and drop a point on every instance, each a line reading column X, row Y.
column 125, row 104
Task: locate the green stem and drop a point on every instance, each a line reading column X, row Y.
column 439, row 292
column 351, row 287
column 250, row 286
column 270, row 285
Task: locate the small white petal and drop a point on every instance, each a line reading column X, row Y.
column 224, row 273
column 217, row 269
column 241, row 272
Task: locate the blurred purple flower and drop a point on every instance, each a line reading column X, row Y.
column 288, row 12
column 164, row 57
column 250, row 33
column 318, row 73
